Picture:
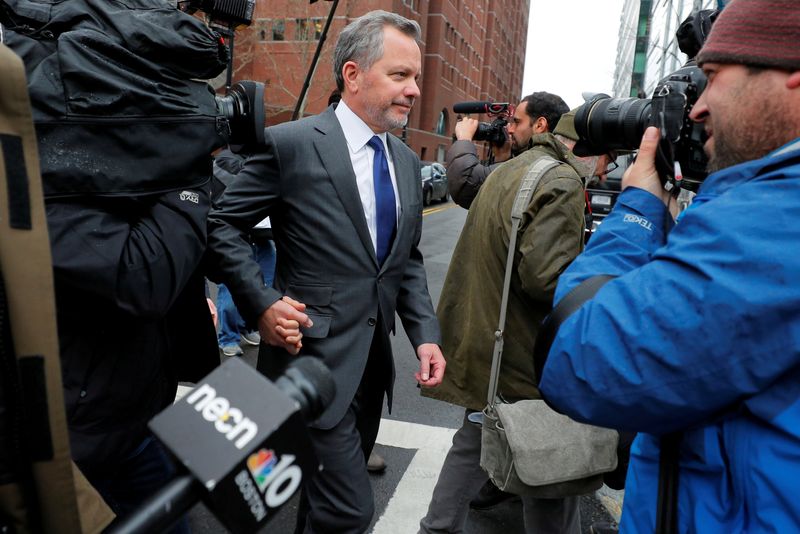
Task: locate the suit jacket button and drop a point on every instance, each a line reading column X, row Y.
column 371, row 321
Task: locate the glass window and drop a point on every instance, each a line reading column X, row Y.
column 639, row 60
column 263, row 29
column 319, row 25
column 441, row 125
column 278, row 26
column 301, row 31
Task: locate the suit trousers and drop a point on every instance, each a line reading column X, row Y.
column 461, row 479
column 338, row 499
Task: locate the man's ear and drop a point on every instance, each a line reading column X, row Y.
column 793, row 81
column 540, row 125
column 350, row 72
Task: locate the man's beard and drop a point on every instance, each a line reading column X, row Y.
column 382, row 116
column 739, row 140
column 517, row 149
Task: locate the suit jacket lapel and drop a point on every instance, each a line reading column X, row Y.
column 333, row 151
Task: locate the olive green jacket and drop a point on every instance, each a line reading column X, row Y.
column 550, row 235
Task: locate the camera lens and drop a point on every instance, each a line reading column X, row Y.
column 243, row 108
column 605, row 124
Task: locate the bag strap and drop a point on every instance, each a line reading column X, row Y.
column 521, row 201
column 668, row 469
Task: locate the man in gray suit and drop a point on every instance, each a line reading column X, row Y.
column 345, row 203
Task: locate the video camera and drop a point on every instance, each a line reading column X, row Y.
column 118, row 94
column 242, row 106
column 226, row 13
column 494, row 132
column 606, row 124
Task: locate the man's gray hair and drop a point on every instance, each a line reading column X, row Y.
column 361, row 41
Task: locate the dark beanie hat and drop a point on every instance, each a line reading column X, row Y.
column 759, row 33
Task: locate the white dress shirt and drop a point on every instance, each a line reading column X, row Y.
column 357, row 134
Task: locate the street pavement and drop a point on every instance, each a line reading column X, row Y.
column 416, row 436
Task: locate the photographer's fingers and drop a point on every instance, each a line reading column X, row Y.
column 465, row 129
column 642, row 173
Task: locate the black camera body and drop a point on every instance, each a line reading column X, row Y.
column 242, row 107
column 494, row 132
column 230, row 13
column 606, row 124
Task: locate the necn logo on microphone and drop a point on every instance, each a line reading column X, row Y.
column 227, row 419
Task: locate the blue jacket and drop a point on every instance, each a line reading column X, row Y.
column 700, row 332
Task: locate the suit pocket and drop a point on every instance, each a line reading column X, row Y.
column 314, row 297
column 311, row 295
column 322, row 325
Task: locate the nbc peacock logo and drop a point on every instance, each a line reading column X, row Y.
column 261, row 465
column 277, row 477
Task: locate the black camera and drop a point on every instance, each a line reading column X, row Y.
column 606, row 124
column 242, row 106
column 243, row 110
column 493, row 132
column 229, row 13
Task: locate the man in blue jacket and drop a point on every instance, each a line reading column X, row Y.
column 699, row 333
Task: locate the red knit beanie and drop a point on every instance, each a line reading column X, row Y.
column 760, row 33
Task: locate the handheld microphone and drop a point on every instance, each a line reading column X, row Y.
column 492, row 108
column 243, row 441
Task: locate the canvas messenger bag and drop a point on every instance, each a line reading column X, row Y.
column 526, row 447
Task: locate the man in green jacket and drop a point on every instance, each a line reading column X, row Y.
column 550, row 236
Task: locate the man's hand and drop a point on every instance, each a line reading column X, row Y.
column 431, row 365
column 465, row 129
column 212, row 308
column 643, row 174
column 280, row 324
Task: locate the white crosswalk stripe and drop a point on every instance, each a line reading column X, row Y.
column 411, row 497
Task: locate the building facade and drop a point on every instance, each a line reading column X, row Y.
column 648, row 50
column 471, row 50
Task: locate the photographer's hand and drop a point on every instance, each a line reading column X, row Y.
column 279, row 325
column 465, row 129
column 643, row 174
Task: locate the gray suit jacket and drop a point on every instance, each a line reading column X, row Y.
column 304, row 181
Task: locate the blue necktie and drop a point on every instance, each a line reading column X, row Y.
column 385, row 207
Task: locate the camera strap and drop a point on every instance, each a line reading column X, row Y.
column 666, row 103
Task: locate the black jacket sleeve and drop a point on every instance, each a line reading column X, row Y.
column 138, row 253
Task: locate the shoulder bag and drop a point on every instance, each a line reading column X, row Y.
column 526, row 447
